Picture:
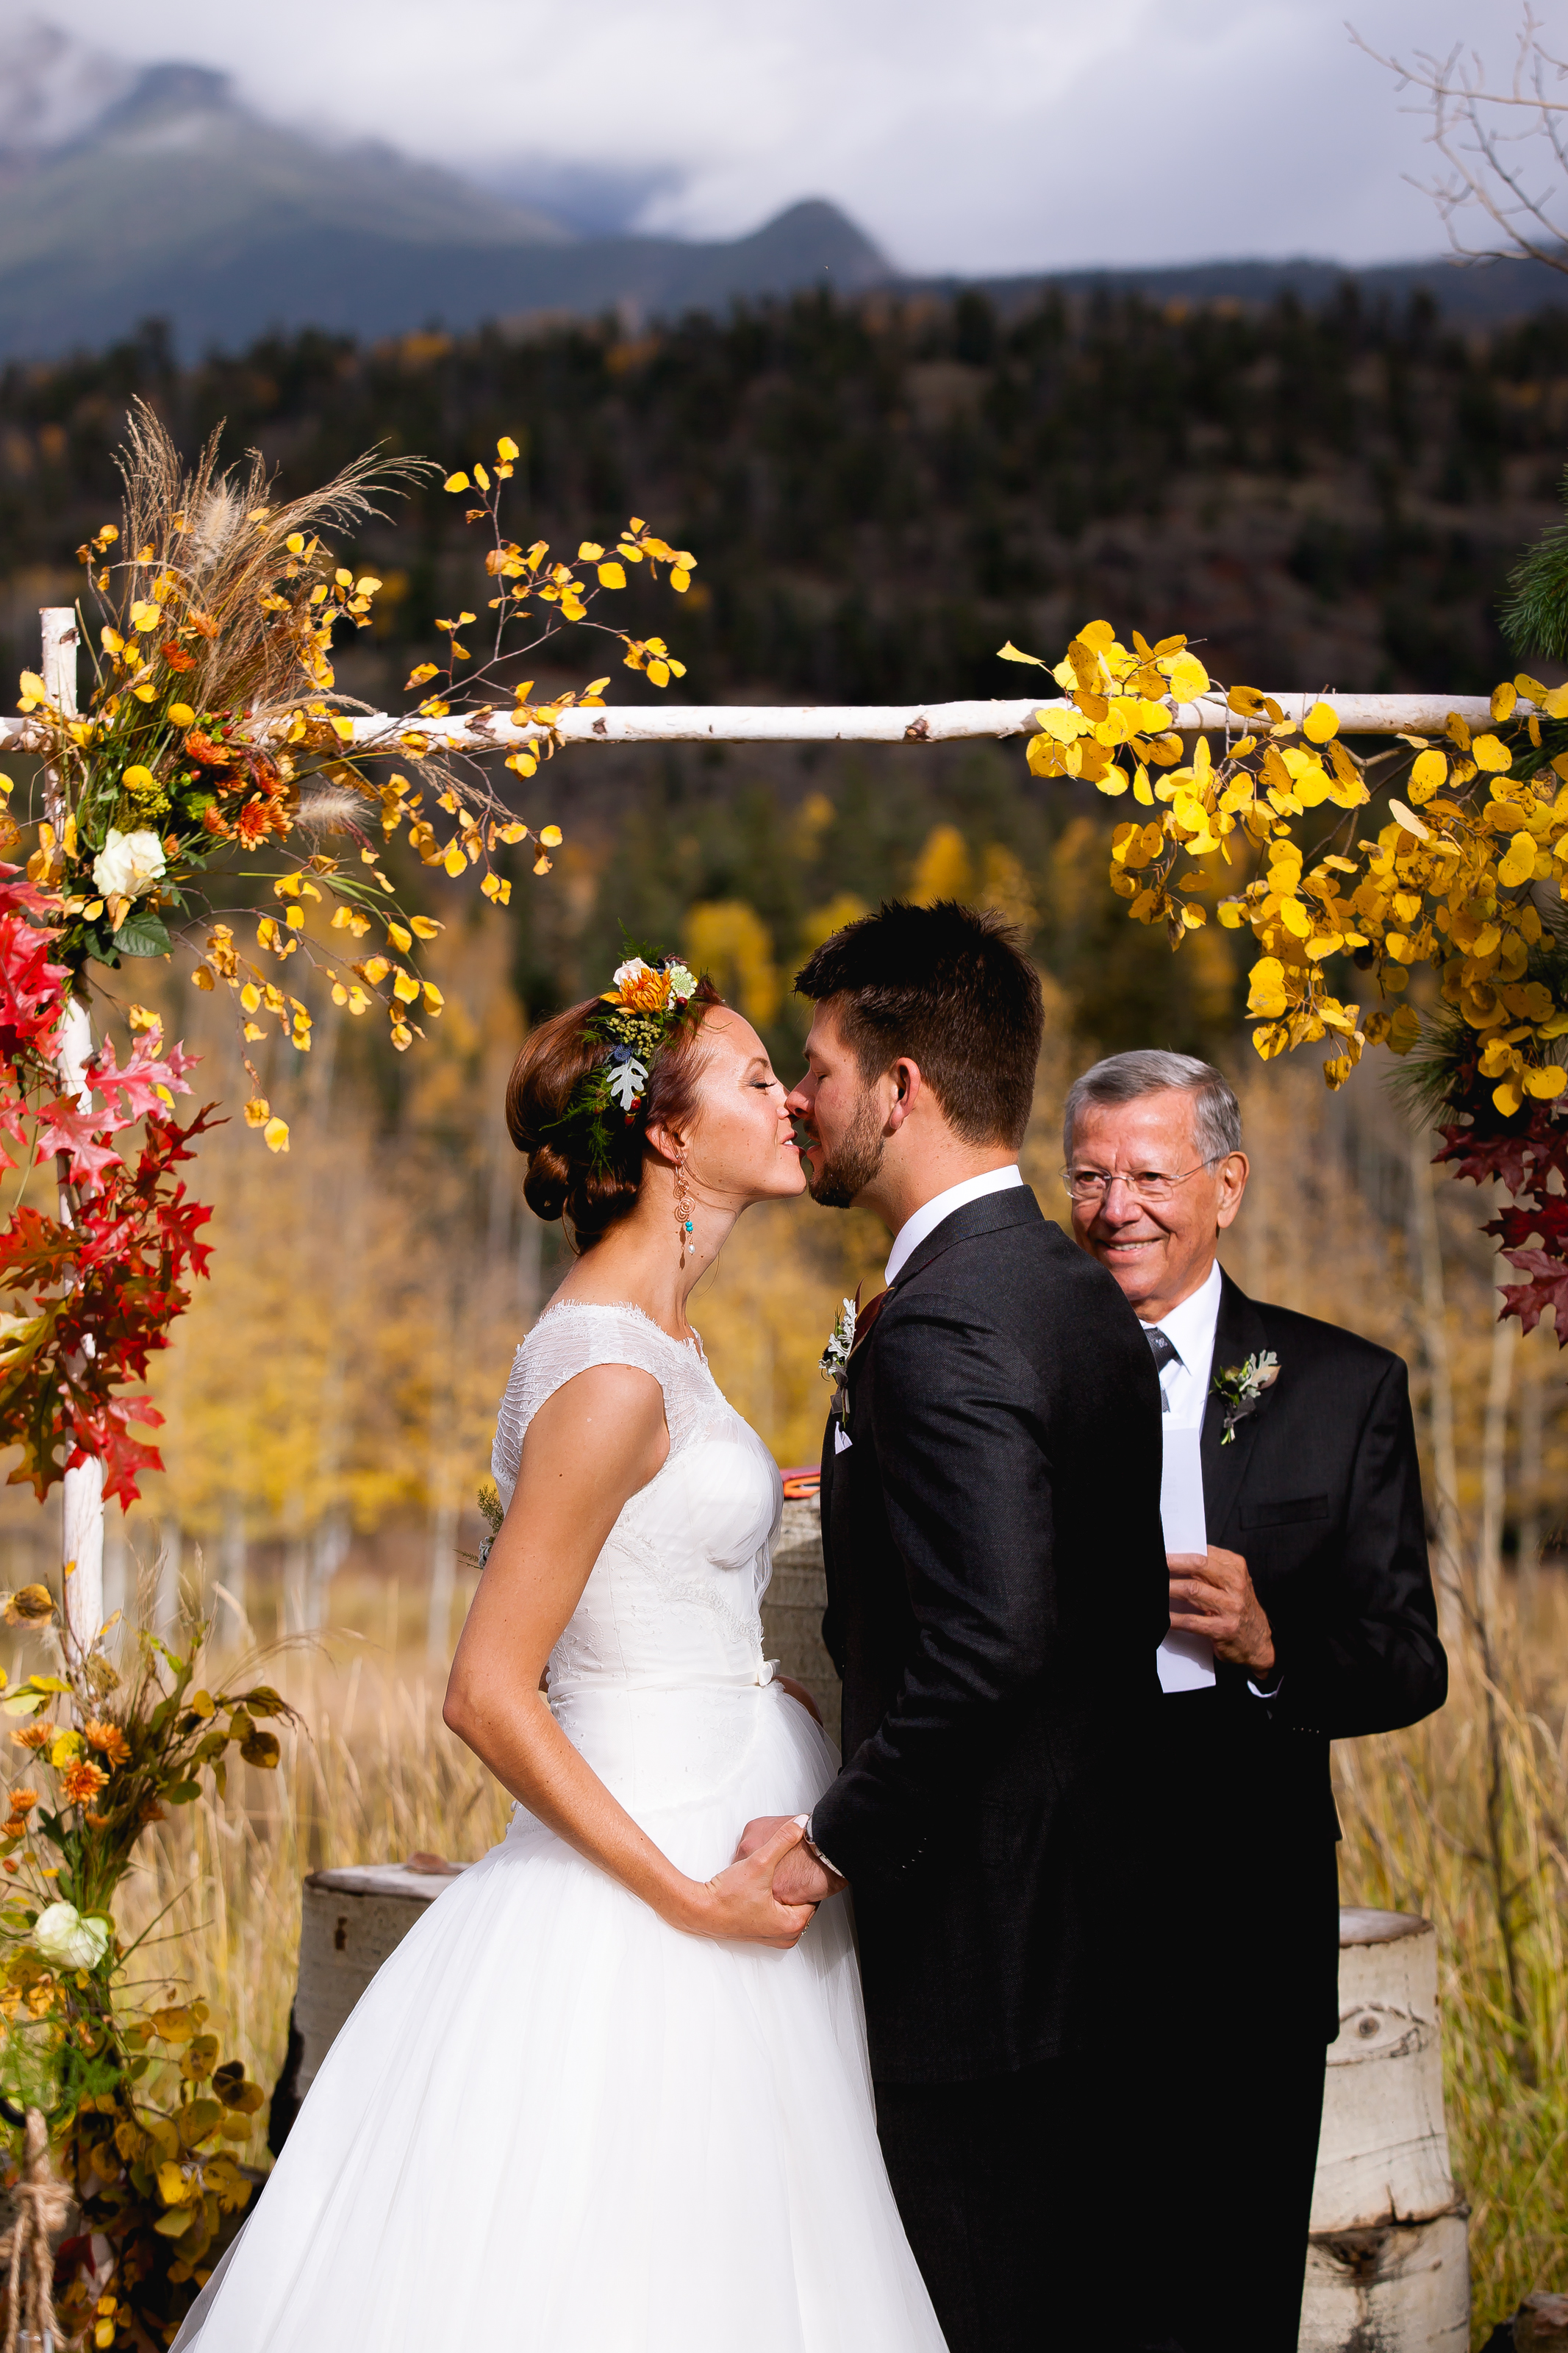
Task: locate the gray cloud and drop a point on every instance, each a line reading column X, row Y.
column 1002, row 134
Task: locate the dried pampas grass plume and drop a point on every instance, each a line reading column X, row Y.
column 226, row 544
column 334, row 809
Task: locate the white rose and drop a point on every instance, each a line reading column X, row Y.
column 128, row 864
column 71, row 1941
column 632, row 970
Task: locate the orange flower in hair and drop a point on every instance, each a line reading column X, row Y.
column 640, row 988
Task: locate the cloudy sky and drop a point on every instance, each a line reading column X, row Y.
column 963, row 134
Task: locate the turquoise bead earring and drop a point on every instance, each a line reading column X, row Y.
column 683, row 1207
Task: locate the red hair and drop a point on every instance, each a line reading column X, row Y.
column 563, row 1180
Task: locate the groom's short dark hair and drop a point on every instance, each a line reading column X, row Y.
column 949, row 986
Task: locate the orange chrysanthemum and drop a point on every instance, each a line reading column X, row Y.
column 22, row 1801
column 110, row 1740
column 34, row 1735
column 83, row 1781
column 645, row 992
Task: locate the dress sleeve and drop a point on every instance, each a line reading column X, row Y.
column 563, row 1344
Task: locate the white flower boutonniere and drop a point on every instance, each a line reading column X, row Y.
column 835, row 1356
column 1242, row 1385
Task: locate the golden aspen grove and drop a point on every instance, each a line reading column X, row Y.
column 881, row 495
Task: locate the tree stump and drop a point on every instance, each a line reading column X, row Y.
column 793, row 1606
column 350, row 1920
column 1388, row 2257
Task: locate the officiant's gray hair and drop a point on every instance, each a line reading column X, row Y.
column 1123, row 1078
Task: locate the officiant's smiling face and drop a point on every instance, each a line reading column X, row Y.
column 1159, row 1250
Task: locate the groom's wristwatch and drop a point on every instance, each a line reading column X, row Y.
column 816, row 1854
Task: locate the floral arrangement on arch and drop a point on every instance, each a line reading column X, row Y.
column 1462, row 881
column 214, row 754
column 215, row 750
column 145, row 2114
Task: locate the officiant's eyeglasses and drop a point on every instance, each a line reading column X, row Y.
column 1143, row 1184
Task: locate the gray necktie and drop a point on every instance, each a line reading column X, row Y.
column 1164, row 1352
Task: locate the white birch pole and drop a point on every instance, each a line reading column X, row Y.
column 81, row 1548
column 913, row 723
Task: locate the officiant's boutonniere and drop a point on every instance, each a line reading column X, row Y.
column 835, row 1356
column 1241, row 1386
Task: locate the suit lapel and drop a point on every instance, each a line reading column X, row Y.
column 1238, row 1334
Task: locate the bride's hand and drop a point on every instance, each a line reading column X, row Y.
column 739, row 1904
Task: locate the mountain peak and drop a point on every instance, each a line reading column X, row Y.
column 152, row 191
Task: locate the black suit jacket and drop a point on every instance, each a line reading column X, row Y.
column 997, row 1593
column 1320, row 1491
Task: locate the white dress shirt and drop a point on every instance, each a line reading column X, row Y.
column 913, row 1230
column 1190, row 1329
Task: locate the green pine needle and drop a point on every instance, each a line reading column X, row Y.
column 1534, row 614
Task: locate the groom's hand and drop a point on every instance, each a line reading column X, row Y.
column 1212, row 1594
column 800, row 1878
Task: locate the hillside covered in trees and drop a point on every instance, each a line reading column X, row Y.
column 879, row 493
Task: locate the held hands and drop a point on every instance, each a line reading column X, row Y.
column 747, row 1902
column 1212, row 1594
column 799, row 1877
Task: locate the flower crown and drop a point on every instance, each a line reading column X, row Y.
column 648, row 1002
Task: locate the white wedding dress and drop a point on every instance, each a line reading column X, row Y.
column 553, row 2124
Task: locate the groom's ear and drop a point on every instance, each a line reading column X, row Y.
column 908, row 1088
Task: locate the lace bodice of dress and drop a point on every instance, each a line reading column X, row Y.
column 673, row 1598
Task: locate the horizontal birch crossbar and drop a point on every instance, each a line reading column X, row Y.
column 913, row 723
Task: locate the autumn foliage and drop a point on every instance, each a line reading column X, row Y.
column 1455, row 879
column 95, row 1288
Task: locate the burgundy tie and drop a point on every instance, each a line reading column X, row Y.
column 867, row 1316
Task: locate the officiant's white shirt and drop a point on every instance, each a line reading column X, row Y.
column 1190, row 1329
column 913, row 1230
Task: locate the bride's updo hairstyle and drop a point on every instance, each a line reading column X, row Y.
column 566, row 1177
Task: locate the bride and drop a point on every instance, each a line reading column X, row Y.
column 608, row 2097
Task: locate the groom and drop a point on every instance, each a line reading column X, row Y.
column 996, row 1595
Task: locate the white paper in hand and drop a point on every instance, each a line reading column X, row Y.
column 1186, row 1661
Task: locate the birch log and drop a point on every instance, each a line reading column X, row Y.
column 1387, row 2255
column 911, row 722
column 81, row 1543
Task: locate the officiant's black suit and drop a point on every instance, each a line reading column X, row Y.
column 1320, row 1491
column 996, row 1592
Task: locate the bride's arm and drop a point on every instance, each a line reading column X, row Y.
column 590, row 1447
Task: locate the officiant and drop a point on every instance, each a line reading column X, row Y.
column 1301, row 1611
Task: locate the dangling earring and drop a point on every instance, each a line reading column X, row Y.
column 683, row 1206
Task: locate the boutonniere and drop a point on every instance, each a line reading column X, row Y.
column 835, row 1357
column 1242, row 1385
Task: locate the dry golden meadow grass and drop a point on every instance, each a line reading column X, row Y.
column 370, row 1774
column 356, row 1371
column 1464, row 1819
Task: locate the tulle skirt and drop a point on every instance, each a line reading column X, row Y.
column 554, row 2124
